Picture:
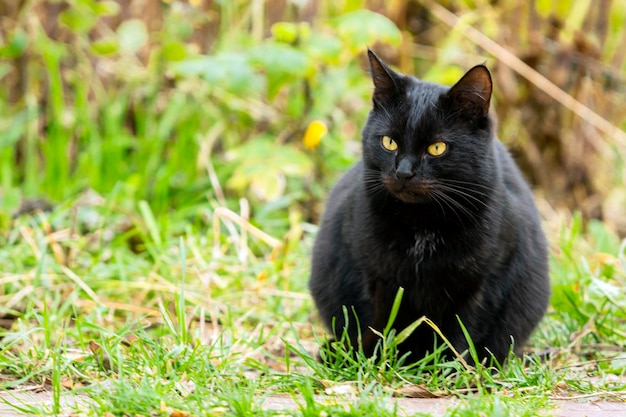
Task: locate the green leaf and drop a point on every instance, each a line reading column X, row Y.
column 605, row 239
column 286, row 32
column 322, row 46
column 408, row 331
column 261, row 166
column 599, row 291
column 107, row 8
column 16, row 46
column 231, row 71
column 282, row 64
column 13, row 131
column 132, row 35
column 79, row 18
column 290, row 33
column 174, row 51
column 543, row 7
column 10, row 199
column 105, row 46
column 443, row 73
column 361, row 28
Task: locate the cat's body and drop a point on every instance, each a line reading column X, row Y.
column 436, row 206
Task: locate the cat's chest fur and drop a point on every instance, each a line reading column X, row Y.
column 408, row 254
column 424, row 245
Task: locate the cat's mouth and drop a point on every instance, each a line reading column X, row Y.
column 409, row 191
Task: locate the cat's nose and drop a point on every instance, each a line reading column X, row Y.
column 405, row 169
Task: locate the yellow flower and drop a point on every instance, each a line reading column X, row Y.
column 314, row 133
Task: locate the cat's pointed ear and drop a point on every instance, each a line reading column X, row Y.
column 472, row 92
column 384, row 78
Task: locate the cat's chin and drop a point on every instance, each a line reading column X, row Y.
column 411, row 198
column 408, row 192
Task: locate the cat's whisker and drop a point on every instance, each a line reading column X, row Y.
column 468, row 183
column 465, row 194
column 467, row 212
column 375, row 190
column 459, row 210
column 455, row 205
column 436, row 200
column 485, row 194
column 439, row 197
column 469, row 203
column 486, row 204
column 373, row 182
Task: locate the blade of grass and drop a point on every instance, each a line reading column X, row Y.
column 151, row 223
column 180, row 304
column 394, row 311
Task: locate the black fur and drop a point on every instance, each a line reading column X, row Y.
column 460, row 232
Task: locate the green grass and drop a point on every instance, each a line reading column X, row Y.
column 216, row 330
column 169, row 276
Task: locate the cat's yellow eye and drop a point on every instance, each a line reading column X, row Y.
column 437, row 148
column 389, row 143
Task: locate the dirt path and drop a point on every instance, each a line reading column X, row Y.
column 12, row 401
column 408, row 406
column 438, row 406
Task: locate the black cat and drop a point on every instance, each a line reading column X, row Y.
column 436, row 206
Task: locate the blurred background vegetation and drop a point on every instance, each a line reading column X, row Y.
column 176, row 103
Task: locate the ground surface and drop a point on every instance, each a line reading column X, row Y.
column 408, row 406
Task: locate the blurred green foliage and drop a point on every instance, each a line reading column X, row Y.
column 116, row 106
column 588, row 273
column 149, row 97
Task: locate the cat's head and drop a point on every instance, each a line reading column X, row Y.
column 425, row 142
